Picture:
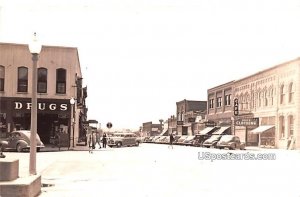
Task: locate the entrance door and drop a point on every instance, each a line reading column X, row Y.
column 44, row 126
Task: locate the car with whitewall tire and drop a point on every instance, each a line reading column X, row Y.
column 123, row 139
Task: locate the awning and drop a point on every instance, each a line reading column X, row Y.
column 220, row 131
column 206, row 130
column 164, row 131
column 261, row 129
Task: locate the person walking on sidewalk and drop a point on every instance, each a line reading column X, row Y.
column 98, row 139
column 171, row 140
column 104, row 140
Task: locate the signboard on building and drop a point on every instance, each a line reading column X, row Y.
column 246, row 122
column 179, row 122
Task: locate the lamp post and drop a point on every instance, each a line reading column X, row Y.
column 35, row 48
column 72, row 102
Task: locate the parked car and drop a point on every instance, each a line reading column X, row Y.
column 180, row 140
column 212, row 141
column 123, row 139
column 199, row 139
column 230, row 142
column 189, row 140
column 20, row 141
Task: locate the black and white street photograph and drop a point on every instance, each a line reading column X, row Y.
column 149, row 98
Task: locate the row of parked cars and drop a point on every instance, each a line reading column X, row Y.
column 215, row 141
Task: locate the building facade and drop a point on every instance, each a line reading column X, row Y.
column 268, row 106
column 187, row 113
column 59, row 79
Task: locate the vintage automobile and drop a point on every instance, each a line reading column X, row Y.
column 212, row 141
column 20, row 141
column 123, row 139
column 230, row 142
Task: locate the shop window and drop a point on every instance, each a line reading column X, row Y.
column 282, row 94
column 281, row 126
column 291, row 93
column 2, row 76
column 22, row 79
column 61, row 81
column 42, row 80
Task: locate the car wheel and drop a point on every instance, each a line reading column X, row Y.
column 38, row 149
column 137, row 143
column 119, row 144
column 19, row 148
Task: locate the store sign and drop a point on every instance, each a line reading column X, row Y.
column 246, row 122
column 179, row 122
column 41, row 106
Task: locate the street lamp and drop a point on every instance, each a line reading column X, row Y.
column 72, row 102
column 35, row 48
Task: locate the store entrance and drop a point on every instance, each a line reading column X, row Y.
column 44, row 126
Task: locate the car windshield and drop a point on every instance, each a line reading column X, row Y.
column 226, row 138
column 215, row 137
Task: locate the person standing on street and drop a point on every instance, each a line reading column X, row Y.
column 171, row 140
column 98, row 139
column 104, row 140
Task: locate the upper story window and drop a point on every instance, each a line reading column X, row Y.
column 22, row 79
column 61, row 81
column 219, row 102
column 271, row 96
column 291, row 92
column 228, row 99
column 281, row 94
column 2, row 76
column 42, row 80
column 211, row 103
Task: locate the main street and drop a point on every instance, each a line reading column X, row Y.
column 156, row 170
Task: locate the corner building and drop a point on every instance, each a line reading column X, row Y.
column 272, row 97
column 59, row 79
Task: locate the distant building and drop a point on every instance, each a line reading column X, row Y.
column 187, row 112
column 59, row 79
column 150, row 129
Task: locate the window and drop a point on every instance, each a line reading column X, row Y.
column 42, row 80
column 291, row 93
column 281, row 94
column 265, row 98
column 281, row 127
column 211, row 103
column 61, row 81
column 291, row 125
column 219, row 102
column 2, row 76
column 227, row 99
column 271, row 96
column 22, row 79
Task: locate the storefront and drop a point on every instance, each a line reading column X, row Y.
column 53, row 116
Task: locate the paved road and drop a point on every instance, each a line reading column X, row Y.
column 153, row 170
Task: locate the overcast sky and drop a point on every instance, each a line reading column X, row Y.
column 140, row 57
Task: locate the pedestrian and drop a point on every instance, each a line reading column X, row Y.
column 171, row 140
column 91, row 142
column 104, row 140
column 98, row 139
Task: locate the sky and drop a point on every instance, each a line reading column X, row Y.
column 140, row 57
